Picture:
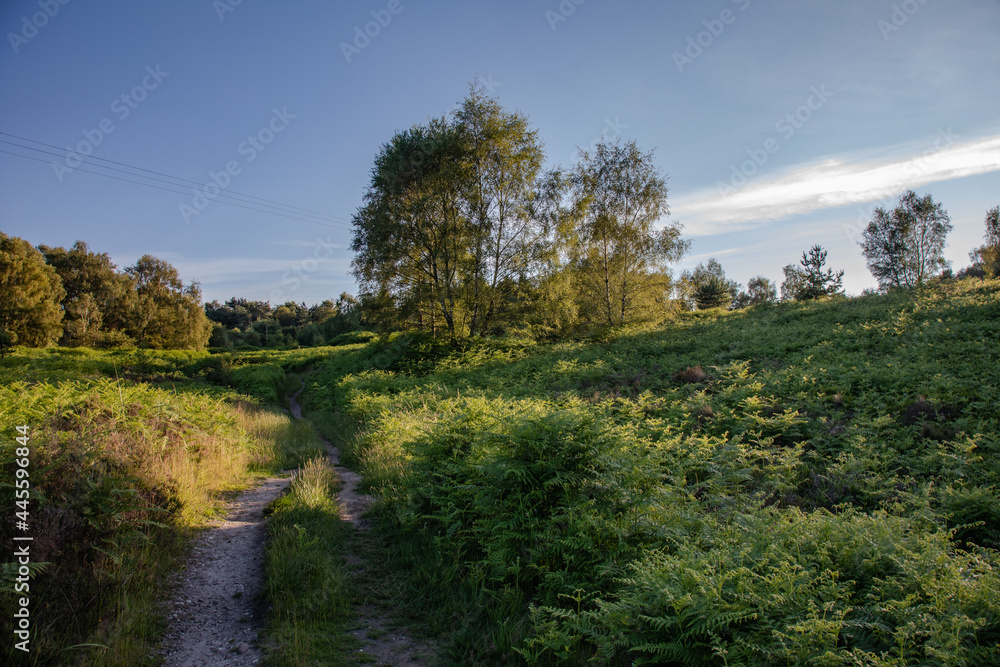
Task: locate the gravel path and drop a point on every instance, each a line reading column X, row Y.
column 217, row 610
column 352, row 503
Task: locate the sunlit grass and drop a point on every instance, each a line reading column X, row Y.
column 124, row 472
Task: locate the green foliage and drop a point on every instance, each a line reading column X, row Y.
column 462, row 235
column 446, row 230
column 824, row 491
column 167, row 314
column 760, row 291
column 260, row 380
column 707, row 287
column 712, row 294
column 812, row 281
column 905, row 248
column 986, row 258
column 129, row 451
column 98, row 299
column 30, row 292
column 620, row 255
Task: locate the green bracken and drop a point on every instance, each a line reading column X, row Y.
column 822, row 490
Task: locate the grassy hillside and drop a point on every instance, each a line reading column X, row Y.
column 129, row 452
column 808, row 483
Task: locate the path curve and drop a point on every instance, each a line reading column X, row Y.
column 352, row 503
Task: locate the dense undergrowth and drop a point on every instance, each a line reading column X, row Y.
column 130, row 452
column 806, row 483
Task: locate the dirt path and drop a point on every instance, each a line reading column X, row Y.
column 216, row 612
column 383, row 642
column 352, row 503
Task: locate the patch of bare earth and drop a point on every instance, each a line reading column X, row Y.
column 216, row 612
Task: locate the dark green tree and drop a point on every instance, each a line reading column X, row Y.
column 445, row 234
column 30, row 293
column 707, row 286
column 167, row 314
column 98, row 298
column 411, row 239
column 814, row 281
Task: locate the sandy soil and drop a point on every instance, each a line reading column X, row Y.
column 216, row 612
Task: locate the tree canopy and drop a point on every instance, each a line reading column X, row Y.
column 30, row 292
column 986, row 258
column 811, row 281
column 904, row 247
column 760, row 290
column 708, row 287
column 98, row 298
column 621, row 255
column 461, row 229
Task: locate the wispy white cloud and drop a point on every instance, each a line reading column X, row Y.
column 831, row 183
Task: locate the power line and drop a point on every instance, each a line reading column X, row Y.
column 157, row 187
column 161, row 180
column 176, row 178
column 288, row 211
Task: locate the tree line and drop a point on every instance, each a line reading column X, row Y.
column 77, row 297
column 463, row 233
column 242, row 323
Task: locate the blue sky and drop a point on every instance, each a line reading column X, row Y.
column 779, row 124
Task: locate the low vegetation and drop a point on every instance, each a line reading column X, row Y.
column 130, row 452
column 800, row 483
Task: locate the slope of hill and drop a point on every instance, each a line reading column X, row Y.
column 808, row 483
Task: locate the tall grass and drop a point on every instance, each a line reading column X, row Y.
column 307, row 579
column 122, row 473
